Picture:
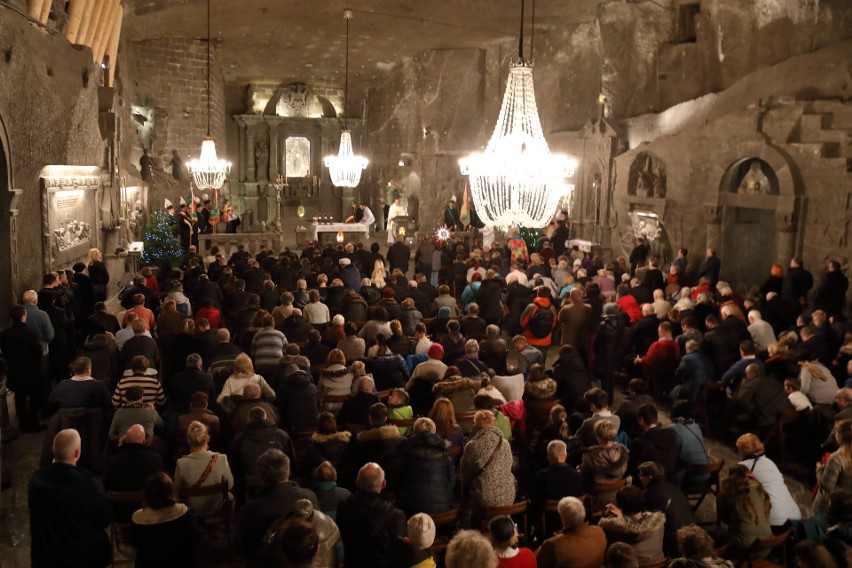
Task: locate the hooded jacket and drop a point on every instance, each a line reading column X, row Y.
column 610, row 344
column 656, row 445
column 389, row 371
column 249, row 444
column 604, row 463
column 379, row 445
column 326, row 447
column 298, row 401
column 489, row 299
column 461, row 392
column 531, row 312
column 334, row 380
column 544, row 389
column 643, row 532
column 572, row 378
column 427, row 475
column 355, row 309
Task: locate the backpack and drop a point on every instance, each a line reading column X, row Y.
column 542, row 322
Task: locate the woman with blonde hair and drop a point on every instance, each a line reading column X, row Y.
column 379, row 274
column 98, row 273
column 763, row 469
column 242, row 375
column 836, row 472
column 201, row 468
column 443, row 414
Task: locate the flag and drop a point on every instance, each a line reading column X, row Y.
column 464, row 213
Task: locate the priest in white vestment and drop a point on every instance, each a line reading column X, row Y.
column 395, row 211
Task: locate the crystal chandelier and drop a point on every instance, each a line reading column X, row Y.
column 345, row 168
column 208, row 171
column 516, row 181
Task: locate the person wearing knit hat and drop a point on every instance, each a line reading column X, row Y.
column 436, row 351
column 413, row 551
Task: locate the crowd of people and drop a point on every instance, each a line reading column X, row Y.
column 364, row 409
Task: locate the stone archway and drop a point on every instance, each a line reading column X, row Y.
column 756, row 203
column 7, row 284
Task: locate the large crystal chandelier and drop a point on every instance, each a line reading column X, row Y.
column 208, row 171
column 516, row 181
column 345, row 168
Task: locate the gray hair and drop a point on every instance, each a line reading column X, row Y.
column 571, row 511
column 611, row 309
column 470, row 548
column 193, row 361
column 273, row 466
column 556, row 449
column 471, row 347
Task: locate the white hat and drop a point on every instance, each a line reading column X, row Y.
column 421, row 531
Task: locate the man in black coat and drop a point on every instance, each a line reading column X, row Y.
column 356, row 410
column 224, row 351
column 130, row 466
column 69, row 511
column 638, row 254
column 205, row 289
column 796, row 285
column 190, row 380
column 759, row 401
column 661, row 495
column 399, row 254
column 23, row 354
column 275, row 500
column 87, row 290
column 831, row 295
column 556, row 481
column 654, row 279
column 710, row 268
column 560, row 236
column 139, row 344
column 369, row 523
column 152, row 301
column 654, row 444
column 101, row 321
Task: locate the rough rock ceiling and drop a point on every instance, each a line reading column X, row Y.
column 303, row 40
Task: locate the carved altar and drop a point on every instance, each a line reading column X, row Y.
column 70, row 213
column 294, row 129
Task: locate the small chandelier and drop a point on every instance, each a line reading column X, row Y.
column 345, row 168
column 516, row 181
column 208, row 171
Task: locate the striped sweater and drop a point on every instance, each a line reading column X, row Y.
column 151, row 387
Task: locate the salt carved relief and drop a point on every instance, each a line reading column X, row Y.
column 297, row 156
column 646, row 226
column 293, row 101
column 750, row 176
column 69, row 214
column 647, row 177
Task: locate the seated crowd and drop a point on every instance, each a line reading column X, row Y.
column 339, row 412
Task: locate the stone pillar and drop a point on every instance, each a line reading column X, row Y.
column 251, row 174
column 714, row 226
column 273, row 152
column 242, row 149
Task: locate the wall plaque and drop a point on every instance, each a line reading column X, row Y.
column 69, row 214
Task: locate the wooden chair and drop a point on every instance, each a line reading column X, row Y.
column 220, row 520
column 316, row 370
column 655, row 564
column 699, row 491
column 446, row 525
column 514, row 510
column 778, row 433
column 402, row 422
column 761, row 546
column 355, row 429
column 253, row 485
column 119, row 532
column 301, row 440
column 538, row 413
column 384, row 395
column 603, row 488
column 551, row 507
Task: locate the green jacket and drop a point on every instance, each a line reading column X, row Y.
column 401, row 413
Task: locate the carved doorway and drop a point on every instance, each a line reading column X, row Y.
column 750, row 245
column 6, row 284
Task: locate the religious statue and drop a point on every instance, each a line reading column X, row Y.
column 136, row 222
column 755, row 181
column 146, row 167
column 177, row 167
column 394, row 211
column 261, row 160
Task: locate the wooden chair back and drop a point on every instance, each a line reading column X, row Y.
column 515, row 510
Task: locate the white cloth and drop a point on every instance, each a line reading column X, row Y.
column 394, row 212
column 784, row 507
column 368, row 218
column 338, row 227
column 799, row 400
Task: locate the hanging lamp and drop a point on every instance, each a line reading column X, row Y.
column 208, row 171
column 516, row 181
column 345, row 168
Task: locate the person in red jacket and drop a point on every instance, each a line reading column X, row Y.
column 660, row 362
column 539, row 320
column 628, row 303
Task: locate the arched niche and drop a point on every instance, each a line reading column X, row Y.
column 7, row 253
column 647, row 176
column 750, row 176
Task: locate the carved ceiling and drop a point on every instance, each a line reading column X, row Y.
column 303, row 40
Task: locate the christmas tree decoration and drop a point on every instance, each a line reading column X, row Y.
column 160, row 240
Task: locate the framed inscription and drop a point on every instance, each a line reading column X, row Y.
column 69, row 215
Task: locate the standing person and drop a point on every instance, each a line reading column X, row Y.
column 69, row 511
column 398, row 255
column 394, row 211
column 681, row 263
column 797, row 283
column 710, row 268
column 609, row 347
column 832, row 292
column 21, row 347
column 98, row 274
column 87, row 291
column 451, row 217
column 575, row 318
column 539, row 321
column 638, row 255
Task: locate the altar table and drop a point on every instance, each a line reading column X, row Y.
column 359, row 228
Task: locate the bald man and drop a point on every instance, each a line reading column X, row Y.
column 368, row 522
column 69, row 511
column 130, row 466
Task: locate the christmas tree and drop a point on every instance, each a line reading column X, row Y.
column 160, row 240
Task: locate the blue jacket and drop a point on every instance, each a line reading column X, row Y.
column 695, row 369
column 39, row 322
